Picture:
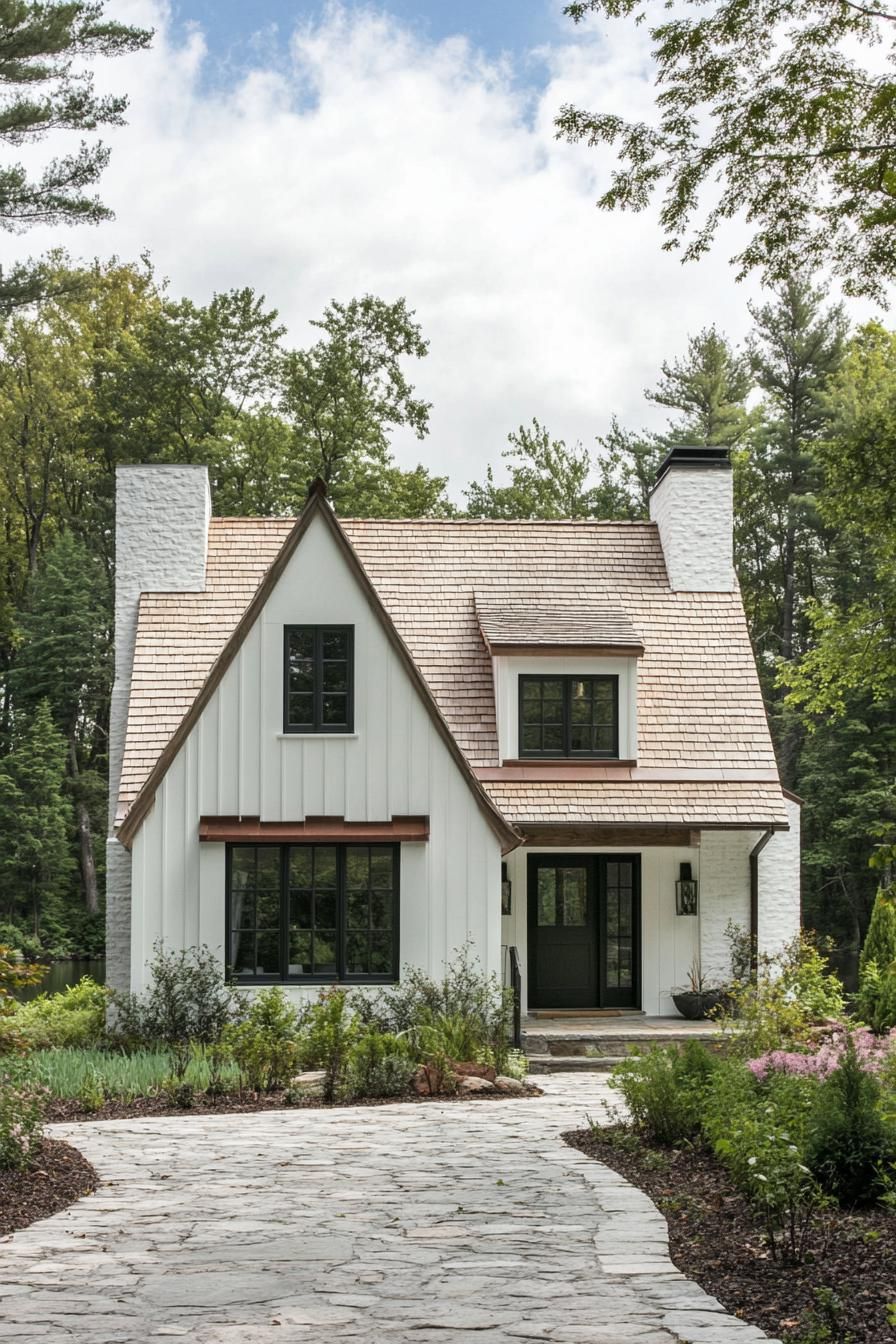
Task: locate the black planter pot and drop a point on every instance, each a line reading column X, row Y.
column 696, row 1005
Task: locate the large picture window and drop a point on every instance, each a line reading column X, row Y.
column 313, row 912
column 569, row 716
column 317, row 679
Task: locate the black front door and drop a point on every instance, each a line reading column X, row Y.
column 584, row 922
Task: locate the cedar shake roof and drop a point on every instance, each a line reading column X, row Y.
column 694, row 804
column 539, row 625
column 699, row 701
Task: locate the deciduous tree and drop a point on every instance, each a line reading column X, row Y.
column 346, row 394
column 778, row 112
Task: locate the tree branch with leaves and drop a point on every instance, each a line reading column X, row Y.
column 764, row 109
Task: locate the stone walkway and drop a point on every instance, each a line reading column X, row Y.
column 435, row 1224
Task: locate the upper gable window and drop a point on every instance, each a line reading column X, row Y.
column 318, row 679
column 569, row 716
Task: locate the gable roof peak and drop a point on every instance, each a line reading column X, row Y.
column 318, row 489
column 317, row 503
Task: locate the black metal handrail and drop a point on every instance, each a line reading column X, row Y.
column 516, row 984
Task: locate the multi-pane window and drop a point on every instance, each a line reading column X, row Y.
column 318, row 679
column 569, row 716
column 620, row 933
column 313, row 912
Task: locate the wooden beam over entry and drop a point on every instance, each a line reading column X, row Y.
column 616, row 837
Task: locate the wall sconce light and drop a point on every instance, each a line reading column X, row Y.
column 685, row 891
column 505, row 891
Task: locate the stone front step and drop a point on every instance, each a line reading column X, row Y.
column 572, row 1063
column 572, row 1045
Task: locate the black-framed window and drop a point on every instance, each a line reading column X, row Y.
column 313, row 913
column 569, row 716
column 318, row 678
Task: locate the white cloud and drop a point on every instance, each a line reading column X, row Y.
column 364, row 160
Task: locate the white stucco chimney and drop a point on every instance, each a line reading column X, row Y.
column 161, row 538
column 692, row 504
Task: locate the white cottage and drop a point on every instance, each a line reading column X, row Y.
column 339, row 747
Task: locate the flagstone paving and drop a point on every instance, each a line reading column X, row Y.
column 437, row 1224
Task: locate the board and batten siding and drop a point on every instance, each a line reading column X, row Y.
column 237, row 761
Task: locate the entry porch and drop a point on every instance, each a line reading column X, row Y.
column 597, row 927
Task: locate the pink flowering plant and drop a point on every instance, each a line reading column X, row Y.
column 874, row 1054
column 21, row 1117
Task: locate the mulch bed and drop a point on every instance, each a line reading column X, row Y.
column 64, row 1112
column 59, row 1177
column 714, row 1239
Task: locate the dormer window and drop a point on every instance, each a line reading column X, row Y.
column 318, row 679
column 569, row 716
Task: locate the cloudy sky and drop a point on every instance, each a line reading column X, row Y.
column 316, row 151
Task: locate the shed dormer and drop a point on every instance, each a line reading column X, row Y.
column 565, row 681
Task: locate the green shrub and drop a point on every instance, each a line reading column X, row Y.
column 12, row 1041
column 824, row 1323
column 330, row 1031
column 806, row 974
column 665, row 1089
column 454, row 1035
column 850, row 1144
column 880, row 940
column 750, row 1128
column 876, row 999
column 178, row 1093
column 516, row 1065
column 794, row 1098
column 779, row 1008
column 188, row 1001
column 466, row 1010
column 379, row 1065
column 265, row 1045
column 17, row 940
column 21, row 1116
column 75, row 1017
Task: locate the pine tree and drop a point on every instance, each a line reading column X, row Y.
column 44, row 87
column 876, row 1000
column 64, row 660
column 796, row 345
column 709, row 388
column 880, row 940
column 35, row 819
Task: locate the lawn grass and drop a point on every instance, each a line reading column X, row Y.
column 66, row 1073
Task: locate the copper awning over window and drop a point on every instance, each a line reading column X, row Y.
column 313, row 830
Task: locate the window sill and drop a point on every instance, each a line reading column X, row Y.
column 318, row 737
column 567, row 760
column 266, row 981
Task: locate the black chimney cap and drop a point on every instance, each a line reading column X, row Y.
column 690, row 455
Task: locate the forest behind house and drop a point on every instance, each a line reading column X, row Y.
column 111, row 368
